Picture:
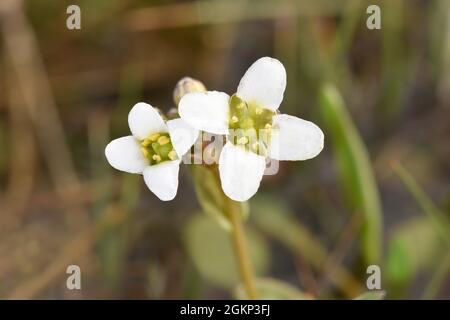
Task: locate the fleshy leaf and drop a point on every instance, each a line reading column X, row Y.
column 211, row 251
column 413, row 247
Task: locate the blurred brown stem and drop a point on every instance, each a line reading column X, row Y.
column 241, row 247
column 22, row 156
column 22, row 47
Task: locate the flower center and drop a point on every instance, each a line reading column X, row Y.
column 158, row 148
column 250, row 125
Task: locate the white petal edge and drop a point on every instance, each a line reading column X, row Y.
column 124, row 154
column 263, row 83
column 294, row 138
column 206, row 111
column 240, row 172
column 145, row 120
column 182, row 135
column 162, row 179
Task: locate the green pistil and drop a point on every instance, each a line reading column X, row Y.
column 158, row 148
column 250, row 125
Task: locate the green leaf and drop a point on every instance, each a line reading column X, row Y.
column 398, row 60
column 398, row 264
column 371, row 295
column 271, row 289
column 413, row 247
column 211, row 197
column 355, row 170
column 210, row 248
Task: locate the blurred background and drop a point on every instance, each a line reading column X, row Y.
column 377, row 194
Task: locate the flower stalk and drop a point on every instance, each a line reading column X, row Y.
column 233, row 209
column 241, row 249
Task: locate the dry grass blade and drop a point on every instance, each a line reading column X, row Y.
column 22, row 48
column 22, row 155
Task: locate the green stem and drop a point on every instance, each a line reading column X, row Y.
column 233, row 209
column 241, row 248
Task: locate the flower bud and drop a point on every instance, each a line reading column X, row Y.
column 173, row 113
column 187, row 85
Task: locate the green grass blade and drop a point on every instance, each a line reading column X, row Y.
column 438, row 279
column 438, row 218
column 371, row 295
column 276, row 220
column 355, row 170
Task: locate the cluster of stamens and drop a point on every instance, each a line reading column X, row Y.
column 158, row 148
column 250, row 125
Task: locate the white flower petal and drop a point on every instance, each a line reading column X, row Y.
column 124, row 154
column 206, row 111
column 240, row 172
column 263, row 83
column 162, row 179
column 144, row 120
column 183, row 136
column 294, row 138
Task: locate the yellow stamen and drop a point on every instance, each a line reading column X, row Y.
column 234, row 119
column 240, row 105
column 242, row 140
column 144, row 152
column 268, row 126
column 258, row 111
column 146, row 142
column 172, row 155
column 156, row 157
column 163, row 140
column 154, row 137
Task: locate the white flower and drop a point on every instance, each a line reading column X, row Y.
column 154, row 149
column 254, row 129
